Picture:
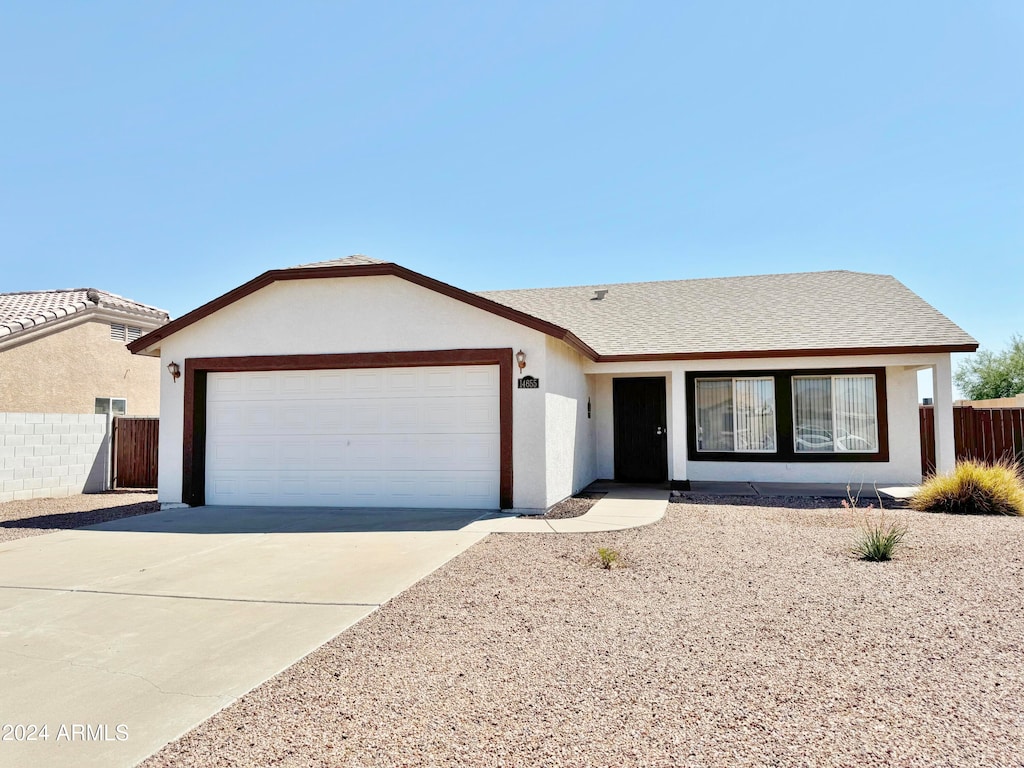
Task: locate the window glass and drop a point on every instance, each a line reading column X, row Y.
column 714, row 415
column 835, row 414
column 118, row 406
column 736, row 415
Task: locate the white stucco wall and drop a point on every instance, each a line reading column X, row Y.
column 556, row 449
column 604, row 420
column 569, row 434
column 357, row 314
column 904, row 465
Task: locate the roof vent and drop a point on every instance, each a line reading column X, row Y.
column 599, row 294
column 93, row 295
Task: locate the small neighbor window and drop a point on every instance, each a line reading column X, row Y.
column 118, row 406
column 736, row 415
column 835, row 414
column 122, row 332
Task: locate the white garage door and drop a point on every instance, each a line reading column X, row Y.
column 374, row 437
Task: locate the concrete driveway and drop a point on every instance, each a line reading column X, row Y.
column 122, row 636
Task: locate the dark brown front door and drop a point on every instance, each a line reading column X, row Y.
column 641, row 439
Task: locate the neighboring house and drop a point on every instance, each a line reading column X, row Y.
column 1017, row 401
column 64, row 351
column 361, row 383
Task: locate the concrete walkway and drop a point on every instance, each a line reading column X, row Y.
column 623, row 507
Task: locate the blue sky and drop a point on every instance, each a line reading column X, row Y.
column 171, row 151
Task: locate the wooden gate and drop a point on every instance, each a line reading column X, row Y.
column 983, row 434
column 135, row 451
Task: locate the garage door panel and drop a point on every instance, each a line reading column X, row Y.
column 365, row 437
column 294, row 418
column 296, row 384
column 260, row 384
column 328, row 384
column 354, row 488
column 258, row 452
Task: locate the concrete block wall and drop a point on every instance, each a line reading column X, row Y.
column 52, row 454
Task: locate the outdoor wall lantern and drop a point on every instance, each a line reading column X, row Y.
column 174, row 369
column 521, row 359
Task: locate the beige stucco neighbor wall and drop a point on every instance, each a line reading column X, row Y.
column 1017, row 401
column 64, row 371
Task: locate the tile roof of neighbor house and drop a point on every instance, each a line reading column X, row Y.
column 763, row 313
column 810, row 312
column 28, row 309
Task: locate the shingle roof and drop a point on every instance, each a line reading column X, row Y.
column 28, row 309
column 813, row 313
column 764, row 313
column 348, row 261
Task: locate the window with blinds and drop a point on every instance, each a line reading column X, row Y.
column 736, row 415
column 835, row 414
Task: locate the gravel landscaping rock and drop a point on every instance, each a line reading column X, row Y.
column 574, row 506
column 737, row 635
column 32, row 517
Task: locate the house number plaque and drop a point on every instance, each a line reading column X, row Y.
column 529, row 382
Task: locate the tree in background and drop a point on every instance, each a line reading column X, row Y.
column 989, row 375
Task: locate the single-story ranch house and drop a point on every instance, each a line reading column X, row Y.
column 357, row 382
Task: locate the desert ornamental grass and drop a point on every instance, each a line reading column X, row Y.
column 974, row 488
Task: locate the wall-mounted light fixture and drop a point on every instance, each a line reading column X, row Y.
column 174, row 369
column 588, row 407
column 521, row 359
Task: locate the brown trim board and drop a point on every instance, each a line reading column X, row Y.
column 193, row 482
column 773, row 353
column 362, row 270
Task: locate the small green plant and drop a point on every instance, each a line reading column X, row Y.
column 973, row 488
column 879, row 538
column 608, row 558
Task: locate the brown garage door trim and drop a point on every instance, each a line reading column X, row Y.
column 193, row 481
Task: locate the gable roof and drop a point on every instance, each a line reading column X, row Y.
column 359, row 266
column 25, row 310
column 812, row 313
column 809, row 312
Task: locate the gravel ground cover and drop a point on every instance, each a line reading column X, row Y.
column 32, row 517
column 574, row 506
column 735, row 635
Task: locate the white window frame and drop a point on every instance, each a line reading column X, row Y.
column 125, row 333
column 732, row 380
column 110, row 405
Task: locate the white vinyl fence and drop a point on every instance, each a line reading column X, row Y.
column 53, row 454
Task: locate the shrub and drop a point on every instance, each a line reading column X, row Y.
column 879, row 539
column 608, row 558
column 973, row 488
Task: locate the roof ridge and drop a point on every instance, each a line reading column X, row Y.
column 57, row 290
column 350, row 260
